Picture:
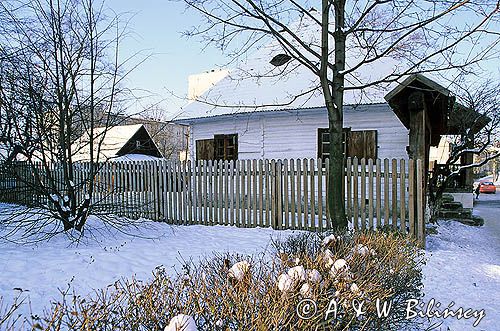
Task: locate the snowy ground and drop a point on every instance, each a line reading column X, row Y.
column 42, row 269
column 463, row 266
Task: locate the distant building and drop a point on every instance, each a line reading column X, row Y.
column 116, row 141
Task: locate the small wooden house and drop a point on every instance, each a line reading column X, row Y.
column 117, row 141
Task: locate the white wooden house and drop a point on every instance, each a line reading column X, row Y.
column 375, row 132
column 270, row 107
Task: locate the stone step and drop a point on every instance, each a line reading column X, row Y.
column 455, row 214
column 451, row 205
column 446, row 197
column 473, row 221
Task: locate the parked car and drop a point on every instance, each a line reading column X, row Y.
column 487, row 187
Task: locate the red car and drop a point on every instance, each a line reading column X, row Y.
column 487, row 187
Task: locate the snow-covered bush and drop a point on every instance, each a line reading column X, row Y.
column 264, row 292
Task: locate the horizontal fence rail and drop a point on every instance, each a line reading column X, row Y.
column 283, row 194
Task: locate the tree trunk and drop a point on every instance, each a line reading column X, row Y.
column 333, row 92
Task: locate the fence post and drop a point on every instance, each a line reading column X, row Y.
column 355, row 198
column 411, row 197
column 306, row 196
column 402, row 189
column 420, row 204
column 363, row 194
column 312, row 177
column 320, row 194
column 279, row 195
column 394, row 169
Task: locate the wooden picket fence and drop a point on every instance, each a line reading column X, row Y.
column 283, row 194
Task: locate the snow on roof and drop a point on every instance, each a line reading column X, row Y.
column 134, row 157
column 111, row 140
column 257, row 85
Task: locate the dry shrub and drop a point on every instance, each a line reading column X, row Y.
column 382, row 266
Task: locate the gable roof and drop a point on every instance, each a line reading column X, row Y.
column 257, row 85
column 113, row 142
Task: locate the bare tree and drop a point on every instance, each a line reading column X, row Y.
column 60, row 74
column 353, row 37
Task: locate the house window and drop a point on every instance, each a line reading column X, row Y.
column 226, row 147
column 222, row 147
column 362, row 144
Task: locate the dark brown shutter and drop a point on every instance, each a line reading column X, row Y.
column 355, row 143
column 205, row 149
column 362, row 144
column 370, row 137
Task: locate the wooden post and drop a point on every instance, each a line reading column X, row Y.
column 411, row 197
column 285, row 193
column 312, row 176
column 402, row 192
column 394, row 173
column 420, row 204
column 363, row 194
column 355, row 197
column 320, row 195
column 379, row 194
column 293, row 215
column 299, row 196
column 370, row 194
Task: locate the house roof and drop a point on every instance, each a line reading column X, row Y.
column 257, row 85
column 111, row 141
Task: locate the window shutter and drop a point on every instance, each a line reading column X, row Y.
column 362, row 144
column 356, row 144
column 370, row 137
column 205, row 149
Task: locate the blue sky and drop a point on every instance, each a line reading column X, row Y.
column 156, row 27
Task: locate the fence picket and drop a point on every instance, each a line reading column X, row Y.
column 243, row 204
column 254, row 193
column 320, row 194
column 402, row 199
column 313, row 193
column 232, row 170
column 363, row 194
column 420, row 205
column 268, row 192
column 237, row 192
column 411, row 197
column 220, row 202
column 355, row 197
column 215, row 192
column 378, row 194
column 349, row 189
column 273, row 194
column 394, row 170
column 386, row 192
column 299, row 196
column 293, row 215
column 249, row 194
column 327, row 181
column 370, row 194
column 285, row 194
column 226, row 192
column 279, row 197
column 306, row 194
column 261, row 195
